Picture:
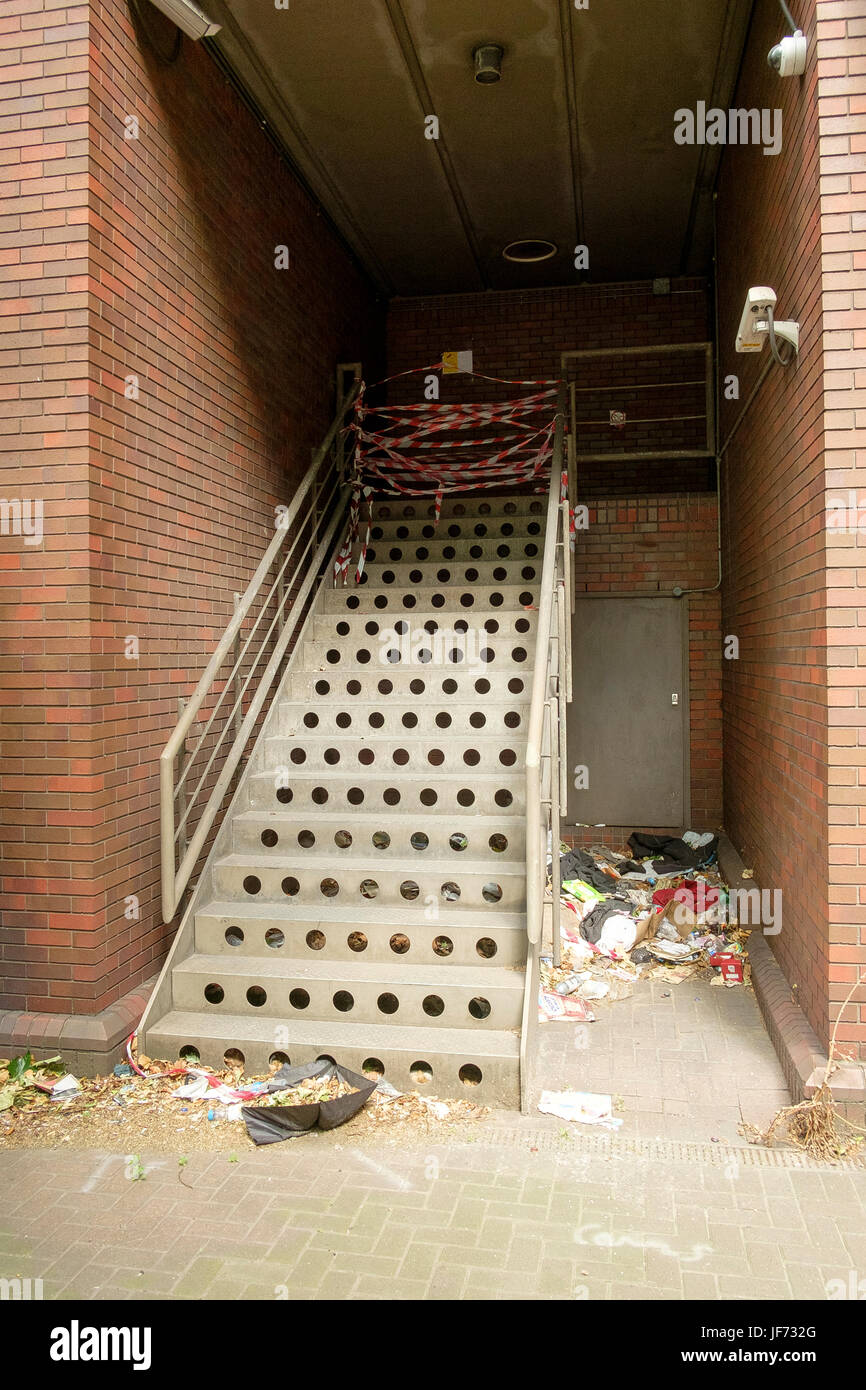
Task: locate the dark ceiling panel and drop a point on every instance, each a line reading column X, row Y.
column 347, row 85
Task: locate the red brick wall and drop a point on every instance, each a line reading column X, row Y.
column 158, row 260
column 522, row 334
column 649, row 545
column 791, row 701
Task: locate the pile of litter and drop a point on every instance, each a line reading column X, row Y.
column 151, row 1103
column 659, row 910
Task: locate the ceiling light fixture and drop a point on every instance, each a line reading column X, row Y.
column 529, row 250
column 188, row 17
column 488, row 62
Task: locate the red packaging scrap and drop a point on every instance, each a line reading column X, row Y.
column 730, row 965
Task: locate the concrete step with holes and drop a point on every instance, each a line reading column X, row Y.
column 344, row 791
column 489, row 1058
column 480, row 505
column 428, row 888
column 449, row 836
column 474, row 651
column 395, row 754
column 400, row 531
column 499, row 576
column 459, row 718
column 472, row 938
column 397, row 599
column 442, row 550
column 411, row 626
column 443, row 996
column 405, row 685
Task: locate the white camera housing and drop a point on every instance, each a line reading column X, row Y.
column 754, row 326
column 789, row 57
column 188, row 17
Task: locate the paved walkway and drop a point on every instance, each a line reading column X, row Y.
column 526, row 1212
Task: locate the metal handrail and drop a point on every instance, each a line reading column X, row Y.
column 546, row 771
column 304, row 535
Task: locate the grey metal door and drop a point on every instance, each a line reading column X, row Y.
column 627, row 752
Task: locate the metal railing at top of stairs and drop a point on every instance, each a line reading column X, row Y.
column 195, row 779
column 546, row 763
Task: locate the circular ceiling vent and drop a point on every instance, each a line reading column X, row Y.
column 530, row 249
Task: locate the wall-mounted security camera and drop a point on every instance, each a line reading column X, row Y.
column 788, row 58
column 758, row 325
column 188, row 17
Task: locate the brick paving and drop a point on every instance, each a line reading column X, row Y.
column 527, row 1212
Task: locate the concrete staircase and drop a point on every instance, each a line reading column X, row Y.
column 365, row 896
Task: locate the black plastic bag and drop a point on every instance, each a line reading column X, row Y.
column 272, row 1123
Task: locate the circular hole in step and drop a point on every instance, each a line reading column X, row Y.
column 428, row 797
column 487, row 654
column 533, row 528
column 471, row 757
column 343, row 839
column 515, row 685
column 433, row 1006
column 362, row 657
column 357, row 941
column 252, row 885
column 443, row 576
column 399, row 943
column 458, row 841
column 392, row 656
column 438, row 601
column 354, row 796
column 343, row 1001
column 269, row 838
column 477, row 719
column 391, row 796
column 510, row 508
column 319, row 796
column 353, row 601
column 326, row 1057
column 470, row 1075
column 535, row 507
column 274, row 938
column 500, row 574
column 479, row 1008
column 422, row 553
column 332, row 656
column 388, row 577
column 518, row 654
column 409, row 890
column 298, row 756
column 431, row 626
column 442, row 945
column 491, row 893
column 503, row 797
column 284, row 795
column 512, row 720
column 256, row 996
column 528, row 572
column 385, row 686
column 496, row 600
column 417, row 686
column 371, row 628
column 506, row 529
column 486, row 947
column 508, row 757
column 436, row 757
column 443, row 721
column 454, row 530
column 498, row 843
column 388, row 1003
column 410, row 720
column 471, row 575
column 290, row 886
column 373, row 1068
column 311, row 720
column 234, row 936
column 455, row 655
column 369, row 888
column 329, row 887
column 376, row 719
column 381, row 839
column 476, row 551
column 279, row 1059
column 481, row 529
column 306, row 839
column 449, row 686
column 415, row 576
column 450, row 891
column 530, row 550
column 465, row 797
column 234, row 1059
column 332, row 756
column 214, row 994
column 491, row 626
column 419, row 840
column 482, row 686
column 316, row 939
column 401, row 756
column 395, row 553
column 421, row 1073
column 484, row 509
column 402, row 533
column 299, row 999
column 366, row 756
column 323, row 688
column 424, row 655
column 381, row 601
column 461, row 625
column 343, row 629
column 503, row 551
